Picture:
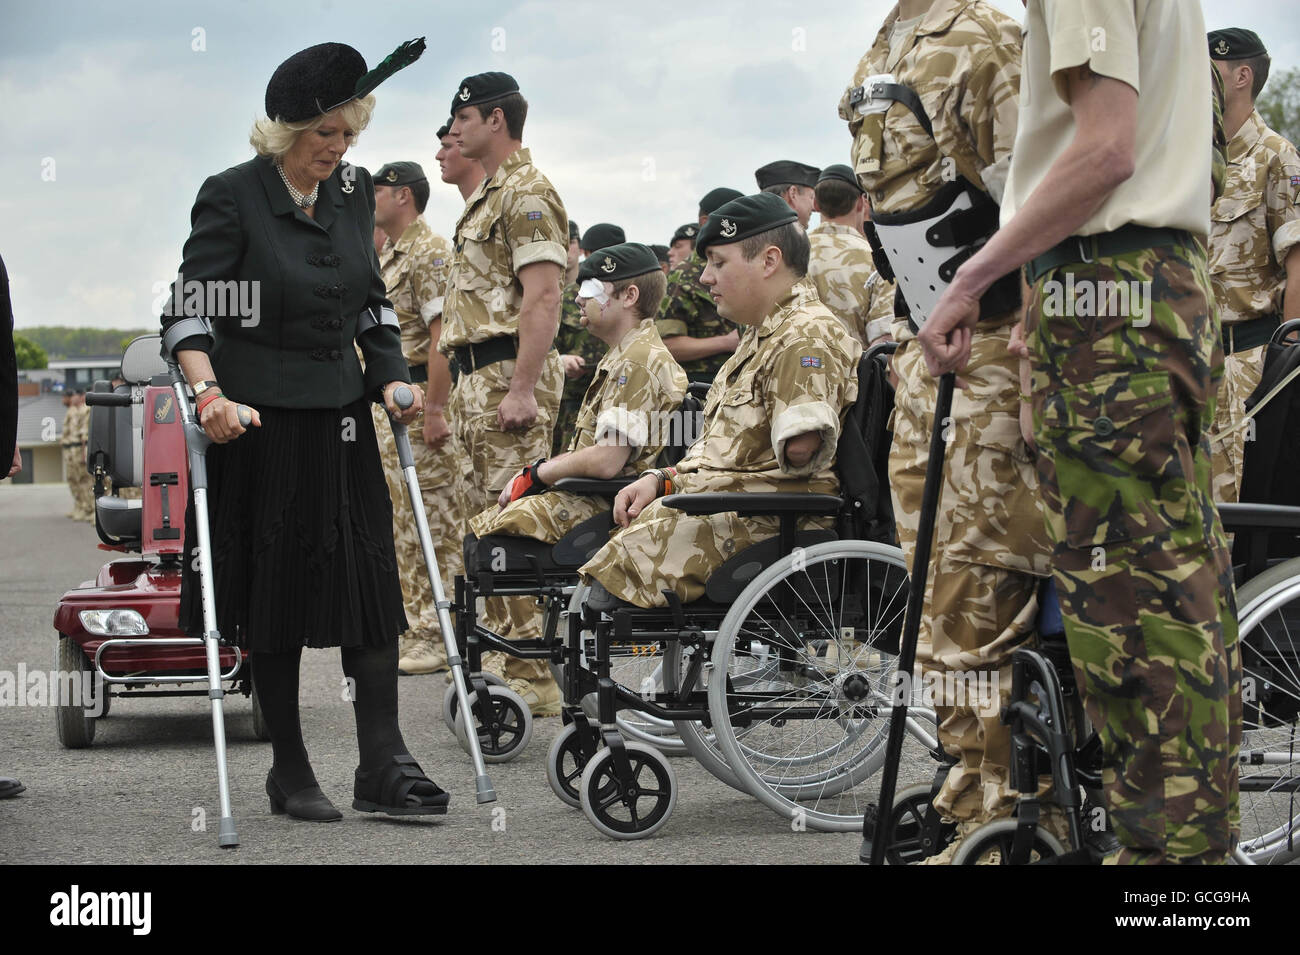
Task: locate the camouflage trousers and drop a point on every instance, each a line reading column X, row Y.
column 79, row 482
column 437, row 473
column 1122, row 404
column 1241, row 374
column 489, row 458
column 990, row 550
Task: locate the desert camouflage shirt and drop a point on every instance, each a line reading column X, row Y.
column 795, row 372
column 841, row 267
column 635, row 393
column 1255, row 223
column 688, row 309
column 963, row 61
column 513, row 219
column 415, row 269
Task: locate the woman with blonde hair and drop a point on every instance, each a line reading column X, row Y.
column 300, row 514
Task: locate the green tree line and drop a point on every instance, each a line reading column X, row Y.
column 63, row 341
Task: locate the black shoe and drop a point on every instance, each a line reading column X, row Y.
column 399, row 789
column 309, row 804
column 10, row 787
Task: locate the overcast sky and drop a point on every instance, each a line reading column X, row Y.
column 115, row 113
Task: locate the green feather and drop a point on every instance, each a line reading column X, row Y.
column 399, row 59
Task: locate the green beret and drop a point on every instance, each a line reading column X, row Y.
column 626, row 260
column 483, row 88
column 326, row 76
column 716, row 197
column 785, row 172
column 743, row 217
column 443, row 130
column 661, row 252
column 1235, row 44
column 574, row 231
column 688, row 231
column 601, row 235
column 399, row 174
column 840, row 172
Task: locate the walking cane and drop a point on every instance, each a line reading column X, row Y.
column 196, row 444
column 403, row 398
column 875, row 822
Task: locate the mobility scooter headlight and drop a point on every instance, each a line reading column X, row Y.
column 114, row 623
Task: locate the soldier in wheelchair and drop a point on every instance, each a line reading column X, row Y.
column 532, row 542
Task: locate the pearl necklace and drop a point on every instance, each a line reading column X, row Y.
column 301, row 199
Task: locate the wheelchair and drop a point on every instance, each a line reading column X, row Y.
column 120, row 633
column 510, row 566
column 778, row 679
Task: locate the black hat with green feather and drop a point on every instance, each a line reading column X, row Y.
column 324, row 77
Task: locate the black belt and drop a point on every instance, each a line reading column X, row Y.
column 1089, row 248
column 481, row 354
column 419, row 373
column 1243, row 336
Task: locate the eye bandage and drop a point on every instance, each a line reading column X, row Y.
column 595, row 289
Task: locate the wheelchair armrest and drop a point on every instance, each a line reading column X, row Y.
column 752, row 505
column 602, row 488
column 1277, row 517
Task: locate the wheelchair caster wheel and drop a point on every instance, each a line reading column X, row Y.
column 991, row 845
column 632, row 808
column 565, row 764
column 449, row 705
column 907, row 827
column 509, row 728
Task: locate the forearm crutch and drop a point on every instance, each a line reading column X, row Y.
column 403, row 398
column 875, row 831
column 196, row 446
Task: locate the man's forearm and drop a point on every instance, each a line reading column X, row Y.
column 1291, row 295
column 439, row 370
column 539, row 319
column 686, row 348
column 600, row 461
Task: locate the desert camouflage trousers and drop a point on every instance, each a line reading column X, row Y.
column 1241, row 374
column 80, row 484
column 437, row 473
column 990, row 551
column 1122, row 405
column 489, row 458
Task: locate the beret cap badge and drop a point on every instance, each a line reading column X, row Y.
column 1222, row 47
column 464, row 93
column 728, row 228
column 608, row 265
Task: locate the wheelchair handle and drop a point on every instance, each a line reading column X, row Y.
column 108, row 398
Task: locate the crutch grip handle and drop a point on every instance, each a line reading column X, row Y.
column 403, row 397
column 245, row 415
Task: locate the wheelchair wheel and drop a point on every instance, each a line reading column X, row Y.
column 907, row 825
column 991, row 845
column 699, row 740
column 564, row 766
column 510, row 729
column 808, row 648
column 1269, row 761
column 449, row 704
column 634, row 808
column 640, row 669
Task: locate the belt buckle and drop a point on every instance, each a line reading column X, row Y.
column 1083, row 250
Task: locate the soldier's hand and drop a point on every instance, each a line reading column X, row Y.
column 220, row 419
column 517, row 412
column 436, row 429
column 397, row 414
column 18, row 462
column 634, row 498
column 574, row 365
column 946, row 335
column 729, row 342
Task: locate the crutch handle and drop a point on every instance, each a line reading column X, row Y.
column 245, row 415
column 403, row 397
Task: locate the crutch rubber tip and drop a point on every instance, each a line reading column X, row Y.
column 485, row 791
column 227, row 837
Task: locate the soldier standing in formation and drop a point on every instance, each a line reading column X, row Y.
column 792, row 181
column 682, row 245
column 771, row 422
column 1123, row 396
column 840, row 262
column 414, row 265
column 74, row 452
column 501, row 314
column 915, row 146
column 688, row 322
column 579, row 350
column 1254, row 245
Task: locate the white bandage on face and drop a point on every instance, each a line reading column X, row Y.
column 594, row 289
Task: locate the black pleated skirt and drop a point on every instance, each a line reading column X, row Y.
column 302, row 535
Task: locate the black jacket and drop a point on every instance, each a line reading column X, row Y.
column 313, row 278
column 8, row 377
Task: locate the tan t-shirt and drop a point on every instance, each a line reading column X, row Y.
column 1155, row 46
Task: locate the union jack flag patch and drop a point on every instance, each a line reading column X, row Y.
column 533, row 216
column 810, row 361
column 622, row 379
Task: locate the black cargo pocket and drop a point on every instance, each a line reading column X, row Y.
column 1121, row 460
